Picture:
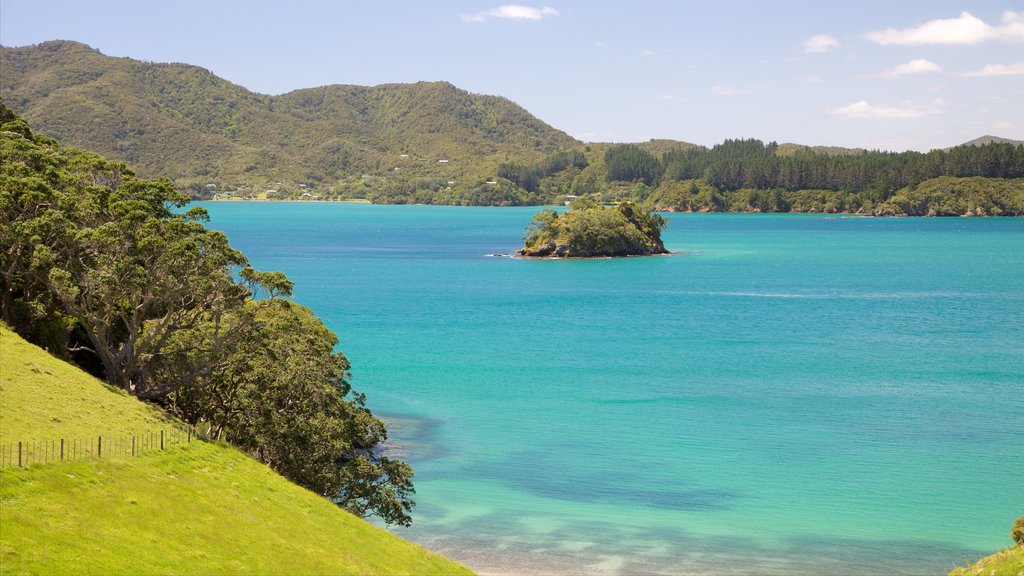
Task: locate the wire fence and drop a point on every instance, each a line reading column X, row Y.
column 25, row 453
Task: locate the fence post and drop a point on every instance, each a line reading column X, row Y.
column 62, row 449
column 133, row 445
column 161, row 439
column 99, row 446
column 189, row 434
column 19, row 453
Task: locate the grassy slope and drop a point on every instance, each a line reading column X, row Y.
column 1009, row 562
column 44, row 398
column 202, row 508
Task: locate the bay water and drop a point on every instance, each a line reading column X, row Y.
column 785, row 394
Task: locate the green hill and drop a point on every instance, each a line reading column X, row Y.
column 199, row 508
column 989, row 139
column 432, row 143
column 184, row 122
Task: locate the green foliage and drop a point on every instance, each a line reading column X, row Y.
column 555, row 172
column 1017, row 531
column 632, row 163
column 277, row 384
column 98, row 262
column 527, row 177
column 949, row 196
column 686, row 196
column 738, row 164
column 590, row 230
column 542, row 230
column 560, row 161
column 8, row 115
column 84, row 239
column 943, row 196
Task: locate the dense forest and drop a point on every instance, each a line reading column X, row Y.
column 432, row 143
column 108, row 270
column 748, row 175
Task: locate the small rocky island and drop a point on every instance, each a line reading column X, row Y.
column 589, row 230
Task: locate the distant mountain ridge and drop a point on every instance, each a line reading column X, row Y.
column 426, row 142
column 185, row 122
column 987, row 139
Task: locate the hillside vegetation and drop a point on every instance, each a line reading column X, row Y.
column 183, row 122
column 201, row 508
column 432, row 143
column 101, row 268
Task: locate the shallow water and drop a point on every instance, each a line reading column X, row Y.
column 788, row 394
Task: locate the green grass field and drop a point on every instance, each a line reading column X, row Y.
column 199, row 508
column 42, row 398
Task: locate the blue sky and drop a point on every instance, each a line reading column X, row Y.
column 893, row 75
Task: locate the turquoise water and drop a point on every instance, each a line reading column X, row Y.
column 788, row 394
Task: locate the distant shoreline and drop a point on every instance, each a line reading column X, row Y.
column 843, row 214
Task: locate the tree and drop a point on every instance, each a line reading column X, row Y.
column 281, row 393
column 133, row 273
column 631, row 163
column 88, row 245
column 30, row 173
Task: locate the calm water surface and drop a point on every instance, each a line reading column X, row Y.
column 788, row 394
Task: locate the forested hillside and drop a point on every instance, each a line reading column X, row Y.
column 433, row 143
column 751, row 176
column 183, row 122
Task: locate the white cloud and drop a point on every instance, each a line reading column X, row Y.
column 967, row 29
column 997, row 70
column 916, row 66
column 863, row 109
column 725, row 90
column 648, row 52
column 813, row 79
column 511, row 12
column 820, row 43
